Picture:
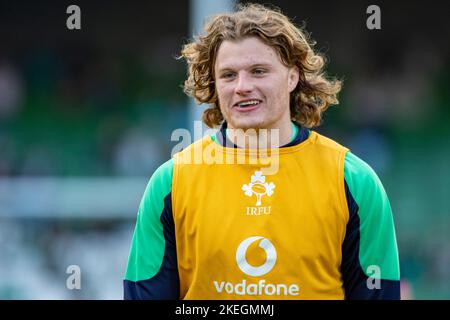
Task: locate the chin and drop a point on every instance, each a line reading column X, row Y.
column 247, row 124
column 244, row 125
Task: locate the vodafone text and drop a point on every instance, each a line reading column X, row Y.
column 259, row 289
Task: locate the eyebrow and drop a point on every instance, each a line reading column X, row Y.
column 255, row 65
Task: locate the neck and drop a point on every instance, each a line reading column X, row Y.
column 260, row 138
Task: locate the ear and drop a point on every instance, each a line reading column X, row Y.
column 293, row 78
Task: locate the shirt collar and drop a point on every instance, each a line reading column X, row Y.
column 222, row 139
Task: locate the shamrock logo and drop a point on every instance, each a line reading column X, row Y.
column 259, row 187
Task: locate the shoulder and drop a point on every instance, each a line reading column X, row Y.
column 163, row 175
column 326, row 143
column 159, row 185
column 360, row 176
column 193, row 152
column 365, row 187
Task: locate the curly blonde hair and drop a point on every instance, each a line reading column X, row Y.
column 314, row 92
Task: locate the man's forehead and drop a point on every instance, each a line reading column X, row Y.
column 244, row 54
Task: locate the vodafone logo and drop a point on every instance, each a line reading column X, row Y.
column 271, row 257
column 252, row 287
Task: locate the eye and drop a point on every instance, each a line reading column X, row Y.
column 228, row 75
column 259, row 71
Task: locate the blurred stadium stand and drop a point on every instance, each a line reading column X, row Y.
column 86, row 116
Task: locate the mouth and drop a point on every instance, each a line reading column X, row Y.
column 247, row 105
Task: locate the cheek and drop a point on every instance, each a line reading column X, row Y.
column 221, row 98
column 224, row 93
column 277, row 87
column 280, row 91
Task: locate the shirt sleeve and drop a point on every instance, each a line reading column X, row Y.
column 152, row 271
column 370, row 263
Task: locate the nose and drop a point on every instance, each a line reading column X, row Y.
column 244, row 85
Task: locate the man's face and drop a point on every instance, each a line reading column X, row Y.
column 253, row 85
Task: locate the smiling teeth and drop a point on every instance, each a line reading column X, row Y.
column 246, row 103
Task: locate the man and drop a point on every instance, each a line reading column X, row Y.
column 318, row 227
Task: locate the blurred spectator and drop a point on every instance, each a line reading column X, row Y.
column 11, row 89
column 138, row 153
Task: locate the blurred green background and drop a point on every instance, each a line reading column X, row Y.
column 86, row 116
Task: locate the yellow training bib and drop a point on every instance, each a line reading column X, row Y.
column 245, row 234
